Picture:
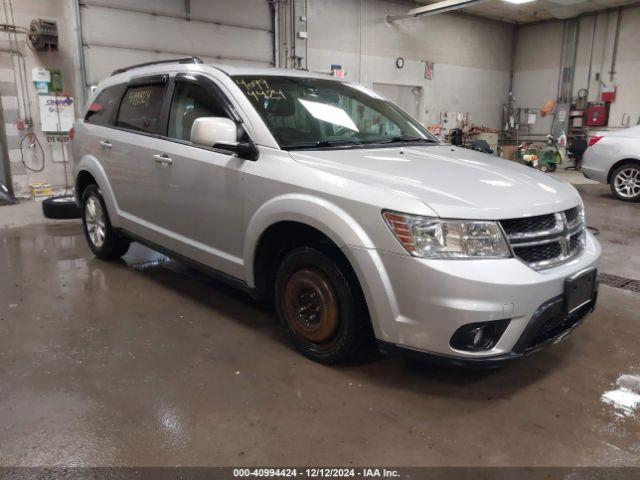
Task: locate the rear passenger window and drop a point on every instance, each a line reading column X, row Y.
column 191, row 101
column 140, row 108
column 102, row 109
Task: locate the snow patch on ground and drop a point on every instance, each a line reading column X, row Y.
column 626, row 398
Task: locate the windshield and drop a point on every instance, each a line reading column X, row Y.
column 307, row 113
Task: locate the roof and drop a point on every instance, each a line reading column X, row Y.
column 126, row 73
column 233, row 70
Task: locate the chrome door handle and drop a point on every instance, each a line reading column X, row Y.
column 163, row 159
column 105, row 145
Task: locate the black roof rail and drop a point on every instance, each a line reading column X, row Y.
column 158, row 62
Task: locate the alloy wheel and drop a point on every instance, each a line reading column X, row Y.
column 95, row 221
column 627, row 182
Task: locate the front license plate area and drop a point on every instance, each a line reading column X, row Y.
column 578, row 290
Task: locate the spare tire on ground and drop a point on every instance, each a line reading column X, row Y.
column 63, row 207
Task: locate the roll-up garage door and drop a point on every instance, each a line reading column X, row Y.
column 118, row 33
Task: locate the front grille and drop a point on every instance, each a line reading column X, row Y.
column 575, row 240
column 517, row 226
column 545, row 241
column 572, row 215
column 539, row 253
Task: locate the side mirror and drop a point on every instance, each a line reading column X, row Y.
column 207, row 131
column 222, row 133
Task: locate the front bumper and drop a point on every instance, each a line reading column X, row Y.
column 547, row 326
column 419, row 304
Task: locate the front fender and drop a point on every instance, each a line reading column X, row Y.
column 92, row 165
column 316, row 212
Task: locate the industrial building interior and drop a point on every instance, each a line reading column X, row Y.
column 150, row 361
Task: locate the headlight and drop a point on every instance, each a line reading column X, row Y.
column 435, row 238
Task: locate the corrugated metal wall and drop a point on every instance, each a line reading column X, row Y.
column 118, row 33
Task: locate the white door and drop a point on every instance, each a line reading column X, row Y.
column 405, row 96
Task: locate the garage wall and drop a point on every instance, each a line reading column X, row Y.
column 125, row 32
column 14, row 103
column 471, row 55
column 537, row 65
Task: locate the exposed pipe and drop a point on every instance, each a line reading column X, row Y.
column 306, row 40
column 593, row 42
column 512, row 61
column 360, row 46
column 275, row 22
column 560, row 74
column 614, row 55
column 77, row 27
column 12, row 51
column 5, row 165
column 435, row 8
column 22, row 65
column 604, row 53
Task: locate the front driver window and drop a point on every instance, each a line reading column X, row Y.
column 191, row 101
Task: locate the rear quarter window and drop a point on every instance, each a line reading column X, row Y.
column 140, row 108
column 102, row 110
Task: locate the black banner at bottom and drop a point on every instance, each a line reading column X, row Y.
column 309, row 473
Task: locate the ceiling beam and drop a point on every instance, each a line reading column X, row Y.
column 435, row 8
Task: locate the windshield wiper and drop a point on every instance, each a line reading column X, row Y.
column 323, row 144
column 407, row 139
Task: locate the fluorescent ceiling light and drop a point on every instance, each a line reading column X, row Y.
column 518, row 1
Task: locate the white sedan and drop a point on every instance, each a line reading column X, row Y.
column 614, row 158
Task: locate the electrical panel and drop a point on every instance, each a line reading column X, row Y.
column 44, row 34
column 597, row 114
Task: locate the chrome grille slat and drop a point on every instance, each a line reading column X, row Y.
column 545, row 241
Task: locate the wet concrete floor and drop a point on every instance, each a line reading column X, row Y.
column 146, row 362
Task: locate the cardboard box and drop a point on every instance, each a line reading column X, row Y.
column 508, row 152
column 40, row 189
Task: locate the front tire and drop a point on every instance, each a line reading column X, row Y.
column 103, row 240
column 320, row 304
column 625, row 182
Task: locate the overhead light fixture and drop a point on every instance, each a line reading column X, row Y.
column 518, row 2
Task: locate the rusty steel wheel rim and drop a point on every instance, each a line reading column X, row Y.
column 310, row 306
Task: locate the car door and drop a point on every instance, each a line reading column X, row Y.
column 99, row 123
column 200, row 196
column 131, row 166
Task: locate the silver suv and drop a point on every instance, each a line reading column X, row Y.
column 325, row 199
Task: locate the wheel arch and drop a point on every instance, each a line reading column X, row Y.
column 293, row 220
column 619, row 163
column 89, row 170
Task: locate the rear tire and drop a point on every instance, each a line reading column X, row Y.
column 103, row 240
column 625, row 182
column 320, row 304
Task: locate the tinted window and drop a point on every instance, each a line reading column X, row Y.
column 103, row 108
column 140, row 108
column 191, row 101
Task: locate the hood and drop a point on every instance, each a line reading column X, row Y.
column 454, row 182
